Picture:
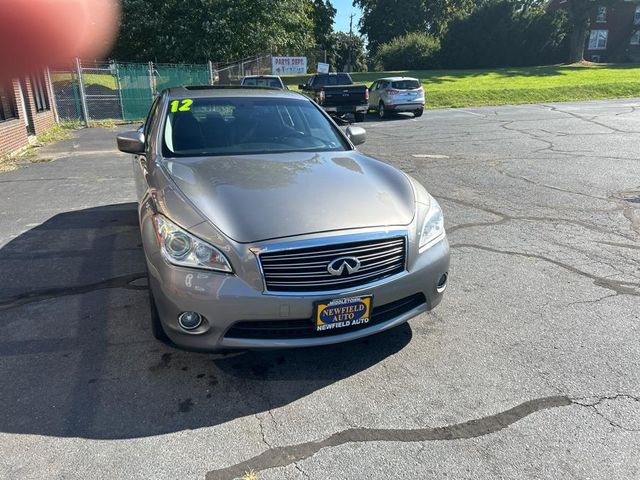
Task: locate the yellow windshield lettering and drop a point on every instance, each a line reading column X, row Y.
column 181, row 105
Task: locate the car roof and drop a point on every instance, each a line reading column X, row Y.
column 395, row 79
column 261, row 76
column 221, row 91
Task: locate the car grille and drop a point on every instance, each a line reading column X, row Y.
column 304, row 328
column 306, row 269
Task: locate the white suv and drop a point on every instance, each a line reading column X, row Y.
column 396, row 94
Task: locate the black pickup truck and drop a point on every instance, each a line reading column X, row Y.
column 337, row 94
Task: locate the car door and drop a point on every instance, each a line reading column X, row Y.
column 140, row 166
column 374, row 96
column 379, row 92
column 384, row 85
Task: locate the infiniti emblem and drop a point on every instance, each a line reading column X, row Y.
column 339, row 265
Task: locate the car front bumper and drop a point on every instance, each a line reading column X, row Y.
column 226, row 299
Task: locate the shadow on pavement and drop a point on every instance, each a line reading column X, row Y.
column 78, row 360
column 399, row 116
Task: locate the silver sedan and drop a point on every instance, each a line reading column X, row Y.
column 397, row 94
column 264, row 227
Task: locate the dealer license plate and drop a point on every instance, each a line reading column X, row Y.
column 342, row 313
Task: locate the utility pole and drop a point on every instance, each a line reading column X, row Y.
column 348, row 67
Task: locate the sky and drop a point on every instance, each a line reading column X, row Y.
column 345, row 8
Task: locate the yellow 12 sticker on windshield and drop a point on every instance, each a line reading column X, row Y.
column 181, row 105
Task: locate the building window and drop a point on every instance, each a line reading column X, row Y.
column 598, row 39
column 636, row 16
column 38, row 85
column 595, row 58
column 601, row 16
column 635, row 38
column 7, row 104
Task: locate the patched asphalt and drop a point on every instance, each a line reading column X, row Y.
column 530, row 367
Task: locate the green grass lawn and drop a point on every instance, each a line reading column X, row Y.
column 505, row 86
column 102, row 79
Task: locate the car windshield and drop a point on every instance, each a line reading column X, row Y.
column 338, row 79
column 262, row 82
column 247, row 125
column 406, row 84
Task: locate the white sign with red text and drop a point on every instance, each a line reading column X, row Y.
column 289, row 65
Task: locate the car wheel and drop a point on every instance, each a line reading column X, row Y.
column 418, row 113
column 156, row 325
column 382, row 113
column 359, row 116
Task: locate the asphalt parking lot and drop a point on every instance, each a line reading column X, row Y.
column 530, row 367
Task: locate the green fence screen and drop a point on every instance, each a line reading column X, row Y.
column 135, row 90
column 177, row 75
column 135, row 84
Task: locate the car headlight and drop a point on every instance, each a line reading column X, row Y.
column 433, row 226
column 181, row 248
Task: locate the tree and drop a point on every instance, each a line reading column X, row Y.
column 383, row 20
column 503, row 34
column 220, row 30
column 323, row 17
column 339, row 53
column 413, row 51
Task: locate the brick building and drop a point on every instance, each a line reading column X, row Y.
column 614, row 31
column 26, row 109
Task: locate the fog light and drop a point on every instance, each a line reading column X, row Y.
column 190, row 320
column 442, row 283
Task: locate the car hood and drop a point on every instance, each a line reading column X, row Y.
column 260, row 197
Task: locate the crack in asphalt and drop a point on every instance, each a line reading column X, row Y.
column 632, row 109
column 276, row 457
column 550, row 146
column 262, row 432
column 551, row 187
column 592, row 302
column 291, row 454
column 462, row 226
column 505, row 217
column 617, row 286
column 123, row 281
column 589, row 120
column 302, row 472
column 616, row 244
column 595, row 404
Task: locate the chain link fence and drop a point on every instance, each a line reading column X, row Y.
column 230, row 73
column 66, row 92
column 92, row 92
column 119, row 91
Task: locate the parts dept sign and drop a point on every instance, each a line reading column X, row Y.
column 289, row 65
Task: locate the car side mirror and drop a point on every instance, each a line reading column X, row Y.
column 357, row 135
column 131, row 142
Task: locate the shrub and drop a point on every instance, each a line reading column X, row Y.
column 413, row 51
column 501, row 34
